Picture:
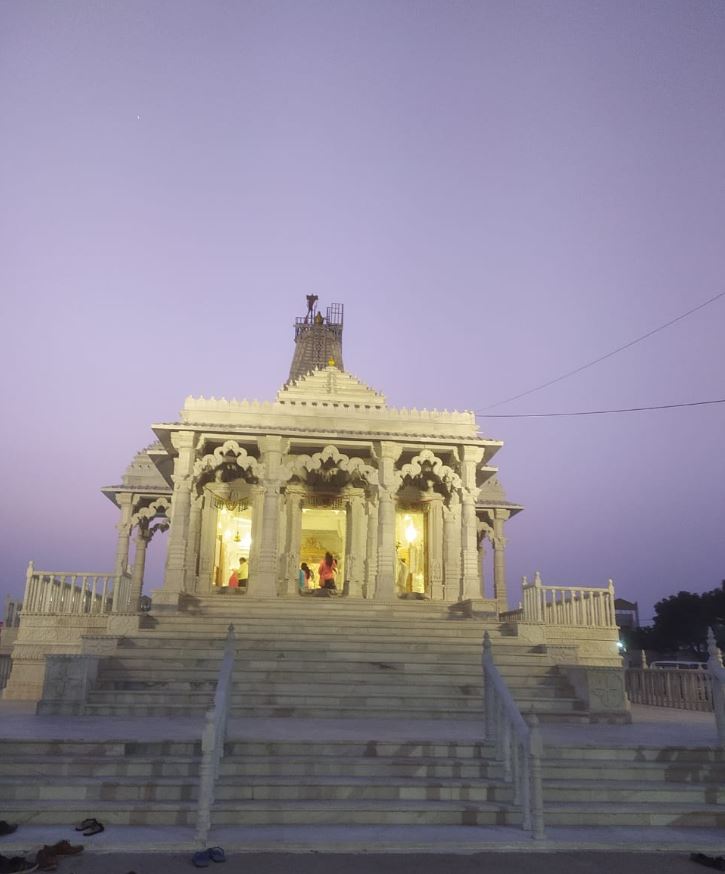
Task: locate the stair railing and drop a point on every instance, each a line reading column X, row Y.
column 518, row 744
column 213, row 738
column 717, row 677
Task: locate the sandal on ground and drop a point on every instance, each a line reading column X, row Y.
column 64, row 848
column 6, row 828
column 94, row 829
column 46, row 860
column 216, row 854
column 201, row 859
column 87, row 823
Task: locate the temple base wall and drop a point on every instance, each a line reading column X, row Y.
column 41, row 635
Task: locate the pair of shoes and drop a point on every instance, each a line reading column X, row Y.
column 717, row 862
column 89, row 827
column 46, row 860
column 215, row 854
column 6, row 828
column 64, row 848
column 16, row 865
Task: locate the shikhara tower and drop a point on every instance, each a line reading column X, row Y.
column 404, row 498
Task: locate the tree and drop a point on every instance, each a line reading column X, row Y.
column 681, row 622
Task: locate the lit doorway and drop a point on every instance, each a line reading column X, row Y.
column 411, row 553
column 233, row 543
column 323, row 530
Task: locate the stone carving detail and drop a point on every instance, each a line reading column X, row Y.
column 426, row 469
column 606, row 690
column 158, row 508
column 229, row 459
column 329, row 467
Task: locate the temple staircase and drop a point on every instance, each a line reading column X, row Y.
column 343, row 714
column 322, row 658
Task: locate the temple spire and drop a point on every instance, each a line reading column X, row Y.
column 318, row 339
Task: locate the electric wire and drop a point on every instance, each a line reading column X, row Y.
column 597, row 412
column 608, row 354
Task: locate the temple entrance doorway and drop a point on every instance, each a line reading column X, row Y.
column 233, row 543
column 411, row 552
column 323, row 530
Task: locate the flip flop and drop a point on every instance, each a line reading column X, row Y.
column 201, row 859
column 87, row 823
column 216, row 854
column 94, row 829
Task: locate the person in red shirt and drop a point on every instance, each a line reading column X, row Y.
column 327, row 572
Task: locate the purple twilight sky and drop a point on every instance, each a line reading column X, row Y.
column 497, row 191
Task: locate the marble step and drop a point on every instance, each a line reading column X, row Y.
column 630, row 791
column 253, row 813
column 641, row 771
column 669, row 756
column 635, row 815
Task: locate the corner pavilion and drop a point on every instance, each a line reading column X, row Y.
column 405, row 499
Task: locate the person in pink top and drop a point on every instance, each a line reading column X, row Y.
column 327, row 572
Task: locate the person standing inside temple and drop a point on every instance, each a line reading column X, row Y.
column 327, row 572
column 243, row 572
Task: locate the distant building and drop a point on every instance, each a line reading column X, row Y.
column 626, row 613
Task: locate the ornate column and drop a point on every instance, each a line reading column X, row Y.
column 282, row 545
column 142, row 539
column 193, row 544
column 452, row 550
column 385, row 582
column 207, row 545
column 264, row 582
column 294, row 495
column 125, row 502
column 471, row 576
column 499, row 562
column 184, row 442
column 257, row 504
column 355, row 559
column 371, row 556
column 435, row 546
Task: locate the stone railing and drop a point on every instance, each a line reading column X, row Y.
column 518, row 745
column 685, row 690
column 717, row 676
column 213, row 737
column 75, row 592
column 568, row 605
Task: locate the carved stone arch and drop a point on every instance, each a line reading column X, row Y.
column 227, row 462
column 425, row 470
column 157, row 508
column 157, row 511
column 330, row 467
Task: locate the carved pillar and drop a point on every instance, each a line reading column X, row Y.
column 355, row 561
column 371, row 557
column 142, row 539
column 257, row 504
column 435, row 547
column 208, row 541
column 481, row 536
column 499, row 559
column 184, row 442
column 452, row 550
column 385, row 583
column 282, row 544
column 471, row 568
column 290, row 553
column 193, row 544
column 264, row 582
column 125, row 502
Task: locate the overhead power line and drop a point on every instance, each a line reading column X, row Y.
column 596, row 412
column 608, row 354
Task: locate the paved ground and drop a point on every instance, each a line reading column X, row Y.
column 402, row 863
